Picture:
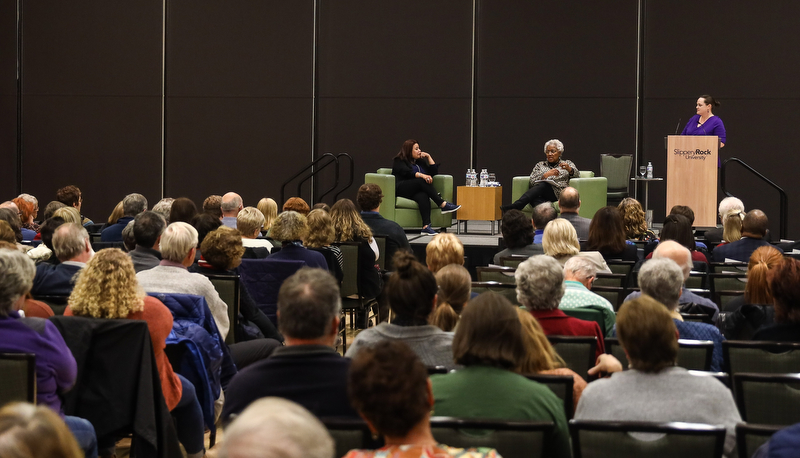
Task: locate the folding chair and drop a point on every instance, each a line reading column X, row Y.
column 750, row 436
column 498, row 274
column 508, row 290
column 761, row 357
column 227, row 286
column 577, row 351
column 561, row 385
column 18, row 379
column 511, row 439
column 770, row 399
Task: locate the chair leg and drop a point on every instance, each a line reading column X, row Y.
column 212, row 439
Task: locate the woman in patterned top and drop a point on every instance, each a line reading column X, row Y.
column 548, row 178
column 389, row 387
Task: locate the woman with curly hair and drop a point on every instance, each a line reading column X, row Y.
column 320, row 236
column 107, row 288
column 349, row 227
column 291, row 229
column 634, row 221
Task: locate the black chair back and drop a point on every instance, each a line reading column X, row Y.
column 57, row 303
column 511, row 439
column 562, row 386
column 577, row 351
column 750, row 436
column 770, row 399
column 18, row 380
column 498, row 274
column 695, row 354
column 228, row 288
column 761, row 357
column 508, row 290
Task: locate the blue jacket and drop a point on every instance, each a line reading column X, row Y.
column 263, row 279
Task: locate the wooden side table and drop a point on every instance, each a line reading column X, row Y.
column 478, row 204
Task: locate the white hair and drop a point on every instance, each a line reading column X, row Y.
column 662, row 279
column 554, row 142
column 727, row 204
column 580, row 267
column 177, row 241
column 16, row 277
column 540, row 283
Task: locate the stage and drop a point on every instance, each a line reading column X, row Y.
column 480, row 245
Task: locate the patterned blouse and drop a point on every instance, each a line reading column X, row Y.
column 415, row 451
column 558, row 183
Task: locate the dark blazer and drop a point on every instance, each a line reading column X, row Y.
column 113, row 233
column 713, row 235
column 739, row 250
column 53, row 280
column 395, row 235
column 580, row 223
column 291, row 252
column 404, row 171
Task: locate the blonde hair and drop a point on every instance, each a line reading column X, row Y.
column 29, row 431
column 320, row 229
column 289, row 226
column 442, row 250
column 732, row 225
column 347, row 222
column 632, row 217
column 539, row 355
column 249, row 220
column 269, row 208
column 455, row 288
column 107, row 287
column 560, row 239
column 69, row 214
column 116, row 214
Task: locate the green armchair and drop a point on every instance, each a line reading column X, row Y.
column 593, row 191
column 405, row 212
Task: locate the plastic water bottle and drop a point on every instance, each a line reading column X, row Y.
column 473, row 181
column 484, row 178
column 468, row 178
column 649, row 170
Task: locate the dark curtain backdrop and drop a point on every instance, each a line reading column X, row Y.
column 8, row 99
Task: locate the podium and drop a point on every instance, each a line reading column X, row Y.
column 692, row 176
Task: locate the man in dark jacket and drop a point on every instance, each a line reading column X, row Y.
column 147, row 229
column 370, row 197
column 72, row 247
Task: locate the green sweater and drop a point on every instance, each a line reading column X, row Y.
column 488, row 392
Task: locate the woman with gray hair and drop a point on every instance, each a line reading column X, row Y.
column 548, row 178
column 291, row 229
column 540, row 286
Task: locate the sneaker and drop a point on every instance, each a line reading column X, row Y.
column 428, row 231
column 450, row 208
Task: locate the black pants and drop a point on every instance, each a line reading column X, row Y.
column 537, row 194
column 251, row 351
column 422, row 193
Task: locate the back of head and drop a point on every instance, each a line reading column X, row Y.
column 289, row 226
column 347, row 222
column 569, row 200
column 164, row 208
column 727, row 204
column 369, row 196
column 222, row 248
column 296, row 204
column 632, row 217
column 732, row 225
column 205, row 223
column 212, row 205
column 48, row 228
column 444, row 249
column 670, row 249
column 269, row 208
column 662, row 279
column 12, row 218
column 16, row 278
column 539, row 353
column 183, row 209
column 784, row 282
column 128, row 240
column 764, row 259
column 560, row 239
column 29, row 431
column 51, row 208
column 685, row 211
column 320, row 229
column 606, row 232
column 677, row 228
column 133, row 204
column 107, row 287
column 249, row 221
column 69, row 240
column 455, row 289
column 308, row 302
column 6, row 233
column 26, row 209
column 388, row 385
column 543, row 214
column 755, row 223
column 276, row 428
column 177, row 241
column 540, row 283
column 411, row 289
column 147, row 228
column 579, row 268
column 648, row 334
column 489, row 334
column 517, row 229
column 321, row 206
column 116, row 213
column 231, row 203
column 69, row 214
column 69, row 195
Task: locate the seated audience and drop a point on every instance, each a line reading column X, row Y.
column 677, row 227
column 542, row 214
column 320, row 236
column 72, row 248
column 784, row 284
column 107, row 289
column 132, row 205
column 687, row 211
column 560, row 241
column 455, row 289
column 291, row 228
column 29, row 431
column 164, row 207
column 654, row 389
column 51, row 208
column 183, row 209
column 732, row 227
column 540, row 286
column 389, row 388
column 489, row 344
column 569, row 202
column 276, row 428
column 56, row 368
column 269, row 208
column 753, row 310
column 349, row 227
column 249, row 222
column 370, row 197
column 607, row 235
column 579, row 275
column 212, row 206
column 633, row 218
column 296, row 204
column 27, row 211
column 444, row 249
column 231, row 205
column 147, row 229
column 662, row 279
column 411, row 292
column 727, row 206
column 308, row 370
column 204, row 223
column 116, row 214
column 11, row 217
column 754, row 228
column 71, row 197
column 44, row 252
column 69, row 214
column 517, row 233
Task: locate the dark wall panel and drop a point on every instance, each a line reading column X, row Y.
column 239, row 96
column 8, row 99
column 91, row 100
column 396, row 70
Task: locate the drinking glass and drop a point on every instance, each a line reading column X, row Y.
column 642, row 170
column 492, row 178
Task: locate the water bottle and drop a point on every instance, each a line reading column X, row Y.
column 473, row 180
column 469, row 175
column 649, row 170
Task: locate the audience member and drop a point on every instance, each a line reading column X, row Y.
column 291, row 228
column 662, row 279
column 389, row 388
column 72, row 248
column 654, row 389
column 231, row 205
column 269, row 208
column 444, row 249
column 29, row 221
column 27, row 212
column 542, row 214
column 128, row 239
column 56, row 368
column 147, row 229
column 489, row 344
column 411, row 292
column 132, row 205
column 728, row 205
column 44, row 252
column 69, row 214
column 732, row 228
column 7, row 234
column 117, row 213
column 517, row 231
column 212, row 206
column 307, row 370
column 11, row 217
column 782, row 444
column 182, row 209
column 579, row 275
column 540, row 286
column 754, row 229
column 455, row 289
column 249, row 222
column 29, row 431
column 107, row 289
column 633, row 219
column 370, row 197
column 320, row 236
column 276, row 428
column 560, row 241
column 205, row 223
column 569, row 202
column 321, row 206
column 607, row 235
column 349, row 227
column 164, row 208
column 298, row 205
column 753, row 310
column 784, row 283
column 687, row 211
column 51, row 208
column 71, row 196
column 677, row 227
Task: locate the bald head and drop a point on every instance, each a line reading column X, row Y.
column 671, row 249
column 231, row 204
column 11, row 205
column 755, row 224
column 569, row 201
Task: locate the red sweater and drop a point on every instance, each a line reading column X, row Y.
column 557, row 323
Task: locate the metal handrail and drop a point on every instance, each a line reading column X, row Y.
column 312, row 164
column 352, row 174
column 784, row 211
column 333, row 159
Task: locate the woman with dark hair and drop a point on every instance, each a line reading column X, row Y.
column 349, row 227
column 388, row 386
column 705, row 122
column 517, row 232
column 204, row 223
column 634, row 221
column 678, row 228
column 414, row 170
column 607, row 235
column 745, row 314
column 411, row 292
column 489, row 344
column 784, row 283
column 183, row 209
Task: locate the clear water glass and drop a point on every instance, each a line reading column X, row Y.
column 642, row 170
column 492, row 178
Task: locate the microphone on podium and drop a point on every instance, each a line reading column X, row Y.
column 678, row 126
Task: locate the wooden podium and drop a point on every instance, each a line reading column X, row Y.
column 692, row 176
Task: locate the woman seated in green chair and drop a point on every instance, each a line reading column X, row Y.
column 548, row 178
